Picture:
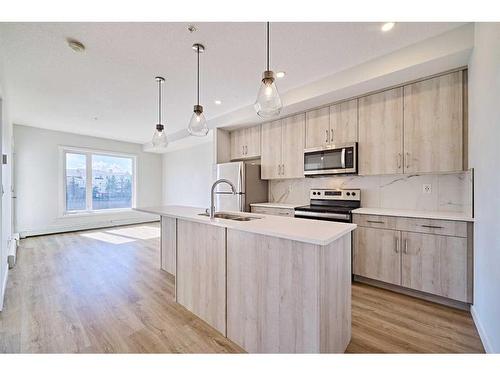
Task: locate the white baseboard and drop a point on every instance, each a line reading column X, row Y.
column 4, row 287
column 481, row 331
column 85, row 226
column 12, row 254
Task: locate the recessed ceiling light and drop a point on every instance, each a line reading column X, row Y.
column 280, row 74
column 218, row 102
column 75, row 45
column 388, row 26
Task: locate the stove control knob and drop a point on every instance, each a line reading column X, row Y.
column 349, row 193
column 314, row 193
column 353, row 193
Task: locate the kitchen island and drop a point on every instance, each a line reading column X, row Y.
column 271, row 284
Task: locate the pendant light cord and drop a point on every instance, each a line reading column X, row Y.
column 159, row 101
column 198, row 76
column 267, row 45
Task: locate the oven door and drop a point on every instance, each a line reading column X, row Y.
column 330, row 160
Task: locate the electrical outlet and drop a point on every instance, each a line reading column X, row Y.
column 426, row 188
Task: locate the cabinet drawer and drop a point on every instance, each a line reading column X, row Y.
column 432, row 226
column 375, row 221
column 273, row 211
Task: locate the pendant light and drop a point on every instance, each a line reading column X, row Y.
column 198, row 124
column 268, row 103
column 159, row 136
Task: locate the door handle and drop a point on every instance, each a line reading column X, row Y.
column 331, row 135
column 397, row 244
column 432, row 226
column 399, row 160
column 375, row 221
column 406, row 246
column 282, row 169
column 342, row 158
column 326, row 139
column 407, row 160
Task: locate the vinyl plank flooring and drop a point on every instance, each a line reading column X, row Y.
column 102, row 291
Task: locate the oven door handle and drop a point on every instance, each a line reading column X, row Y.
column 324, row 215
column 342, row 158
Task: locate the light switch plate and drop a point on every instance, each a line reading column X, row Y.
column 426, row 188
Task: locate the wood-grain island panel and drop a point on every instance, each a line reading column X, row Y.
column 286, row 296
column 201, row 271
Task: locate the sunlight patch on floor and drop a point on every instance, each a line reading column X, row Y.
column 139, row 233
column 109, row 238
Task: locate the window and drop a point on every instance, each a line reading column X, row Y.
column 95, row 181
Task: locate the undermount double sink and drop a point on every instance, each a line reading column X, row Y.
column 222, row 215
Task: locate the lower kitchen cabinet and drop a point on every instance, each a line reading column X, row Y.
column 421, row 260
column 435, row 264
column 278, row 211
column 377, row 254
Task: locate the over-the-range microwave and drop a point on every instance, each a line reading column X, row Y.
column 332, row 159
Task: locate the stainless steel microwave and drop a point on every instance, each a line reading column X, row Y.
column 335, row 159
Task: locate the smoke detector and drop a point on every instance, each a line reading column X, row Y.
column 75, row 45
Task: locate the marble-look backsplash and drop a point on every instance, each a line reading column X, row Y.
column 451, row 192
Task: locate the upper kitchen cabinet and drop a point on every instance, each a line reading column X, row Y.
column 245, row 143
column 283, row 148
column 271, row 157
column 433, row 124
column 335, row 125
column 380, row 148
column 293, row 146
column 344, row 122
column 318, row 128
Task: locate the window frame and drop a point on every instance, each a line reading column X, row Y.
column 88, row 152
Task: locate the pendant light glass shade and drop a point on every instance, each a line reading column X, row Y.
column 268, row 103
column 198, row 124
column 159, row 136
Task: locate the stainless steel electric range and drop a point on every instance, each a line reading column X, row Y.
column 331, row 205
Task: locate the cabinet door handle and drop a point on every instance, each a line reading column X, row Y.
column 283, row 169
column 432, row 226
column 246, row 150
column 407, row 160
column 406, row 246
column 331, row 135
column 326, row 139
column 279, row 169
column 397, row 244
column 375, row 221
column 399, row 160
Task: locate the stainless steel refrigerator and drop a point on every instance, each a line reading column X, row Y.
column 250, row 188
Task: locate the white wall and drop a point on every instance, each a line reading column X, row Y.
column 5, row 177
column 484, row 137
column 38, row 181
column 187, row 176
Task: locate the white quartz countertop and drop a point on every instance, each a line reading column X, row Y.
column 291, row 206
column 304, row 230
column 457, row 216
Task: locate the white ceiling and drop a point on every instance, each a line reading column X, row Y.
column 109, row 91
